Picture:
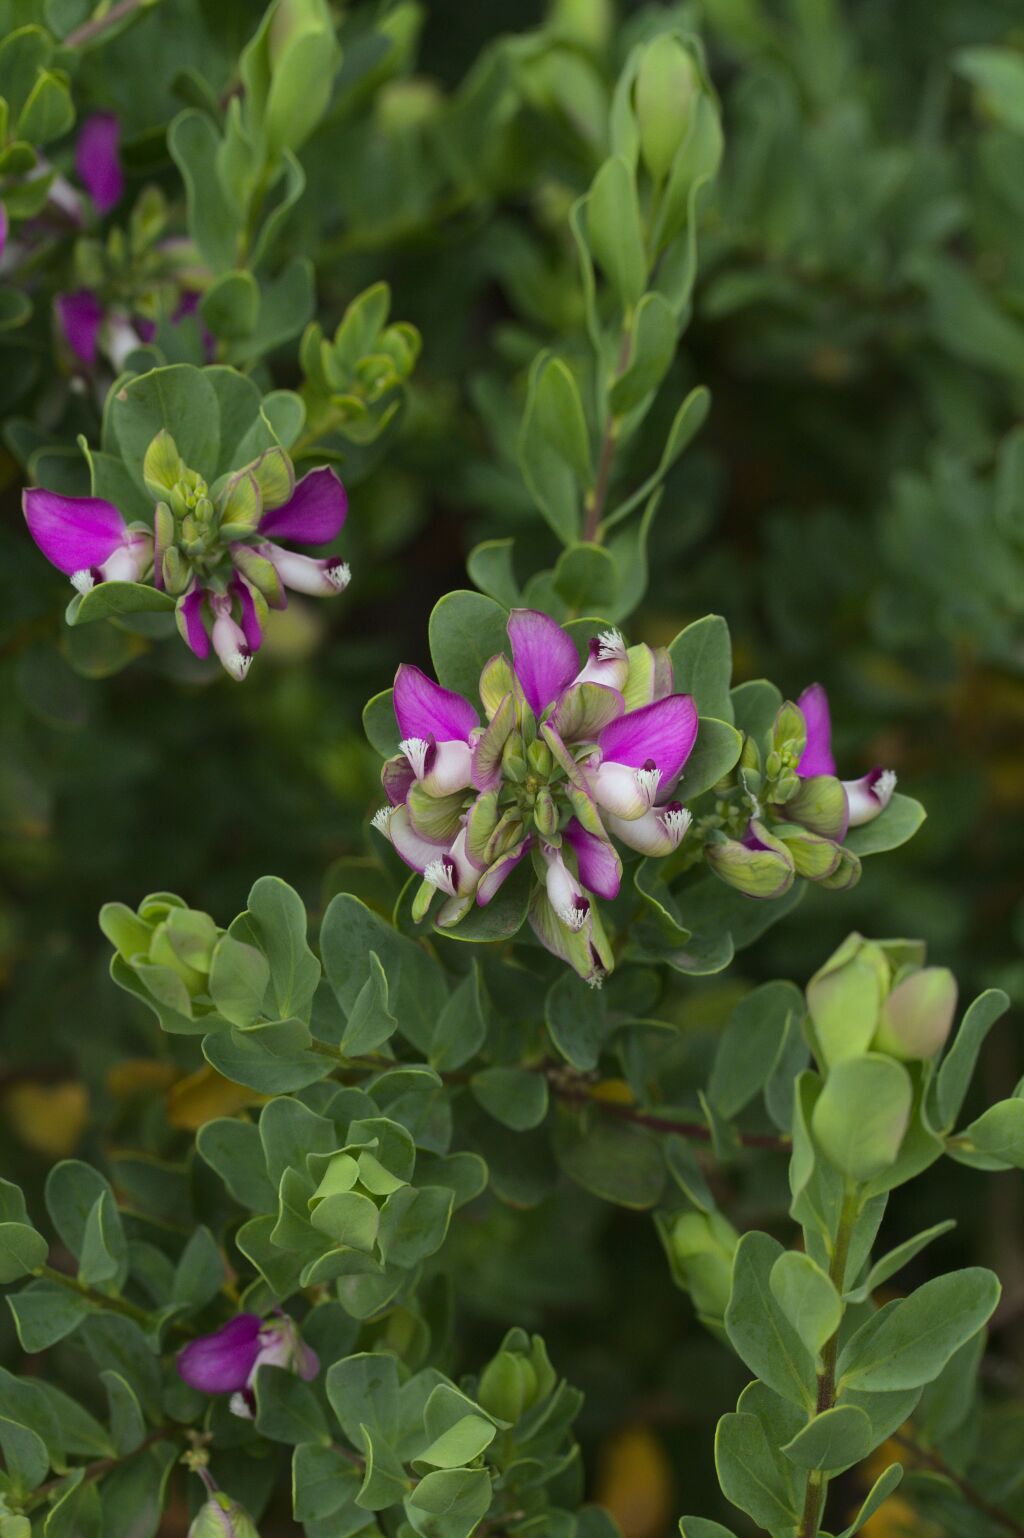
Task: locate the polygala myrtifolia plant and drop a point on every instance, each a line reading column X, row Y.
column 577, row 823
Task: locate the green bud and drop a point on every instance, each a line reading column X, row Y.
column 481, row 821
column 765, row 870
column 260, row 574
column 917, row 1017
column 175, row 571
column 15, row 1527
column 519, row 1377
column 819, row 803
column 149, row 217
column 667, row 87
column 538, row 756
column 787, row 785
column 241, row 504
column 275, row 476
column 513, row 760
column 421, row 902
column 222, row 1518
column 862, row 1114
column 814, row 857
column 846, row 873
column 789, row 732
column 773, row 765
column 496, row 681
column 750, row 756
column 545, row 813
column 703, row 1246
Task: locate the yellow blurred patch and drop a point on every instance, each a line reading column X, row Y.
column 616, row 1091
column 204, row 1095
column 139, row 1076
column 635, row 1483
column 49, row 1118
column 894, row 1519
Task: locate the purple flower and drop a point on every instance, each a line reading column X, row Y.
column 86, row 538
column 224, row 572
column 559, row 765
column 227, row 1361
column 866, row 797
column 97, row 162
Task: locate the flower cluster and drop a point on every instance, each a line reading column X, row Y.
column 213, row 549
column 788, row 813
column 227, row 1361
column 569, row 755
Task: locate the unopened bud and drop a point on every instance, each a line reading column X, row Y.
column 917, row 1017
column 538, row 756
column 545, row 813
column 667, row 87
column 846, row 873
column 513, row 760
column 175, row 571
column 844, row 999
column 758, row 866
column 587, row 23
column 162, row 467
column 815, row 857
column 221, row 1517
column 703, row 1246
column 819, row 804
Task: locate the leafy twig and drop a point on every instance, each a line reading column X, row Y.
column 930, row 1459
column 89, row 30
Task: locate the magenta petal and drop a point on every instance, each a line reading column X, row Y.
column 74, row 533
column 817, row 755
column 81, row 316
column 545, row 659
column 494, row 879
column 313, row 514
column 423, row 709
column 221, row 1363
column 599, row 865
column 251, row 628
column 97, row 162
column 190, row 607
column 663, row 732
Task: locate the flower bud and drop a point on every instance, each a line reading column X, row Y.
column 703, row 1245
column 538, row 756
column 789, row 732
column 545, row 813
column 667, row 87
column 758, row 866
column 221, row 1517
column 587, row 23
column 815, row 857
column 162, row 467
column 917, row 1017
column 175, row 571
column 819, row 804
column 846, row 873
column 513, row 760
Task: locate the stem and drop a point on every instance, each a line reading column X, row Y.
column 104, row 1300
column 574, row 1092
column 817, row 1484
column 100, row 24
column 933, row 1460
column 599, row 494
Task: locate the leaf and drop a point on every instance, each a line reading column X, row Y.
column 193, row 142
column 614, row 231
column 835, row 1439
column 72, row 1191
column 916, row 1337
column 239, row 975
column 461, row 1026
column 110, row 599
column 287, row 1409
column 687, row 422
column 516, row 1097
column 380, row 725
column 891, row 828
column 230, row 306
column 616, row 1161
column 44, row 1313
column 25, row 1455
column 416, row 987
column 702, row 664
column 553, row 450
column 652, row 347
column 715, row 752
column 22, row 1250
column 233, row 1150
column 585, row 578
column 895, row 1260
column 460, row 1444
column 862, row 1113
column 760, row 1332
column 751, row 1043
column 466, row 630
column 998, row 74
column 413, row 1223
column 576, row 1017
column 363, row 1390
column 808, row 1298
column 700, row 1527
column 271, row 1059
column 280, row 920
column 490, row 566
column 127, row 1422
column 998, row 1134
column 370, row 1022
column 77, row 1511
column 749, row 1475
column 449, row 1502
column 324, row 1482
column 880, row 1491
column 957, row 1068
column 179, row 398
